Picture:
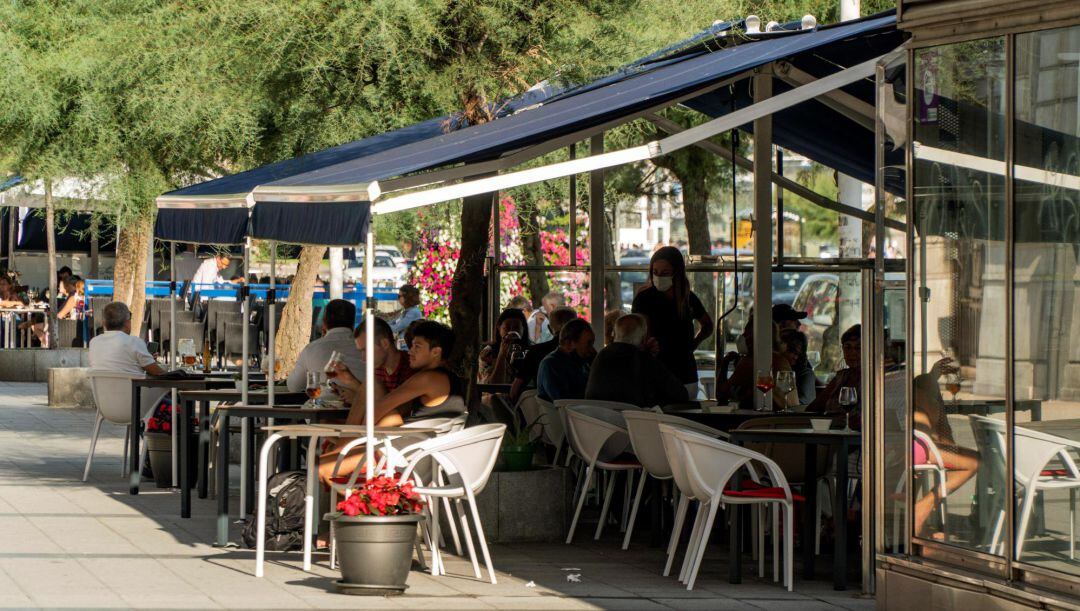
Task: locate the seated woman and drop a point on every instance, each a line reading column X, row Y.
column 961, row 464
column 9, row 297
column 433, row 390
column 828, row 400
column 510, row 336
column 740, row 386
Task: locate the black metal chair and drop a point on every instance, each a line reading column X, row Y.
column 234, row 340
column 69, row 333
column 182, row 316
column 213, row 309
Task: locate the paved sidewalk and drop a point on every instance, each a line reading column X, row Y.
column 64, row 543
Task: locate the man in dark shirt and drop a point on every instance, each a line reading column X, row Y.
column 626, row 373
column 526, row 370
column 564, row 373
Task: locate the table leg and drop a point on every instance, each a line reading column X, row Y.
column 185, row 473
column 809, row 510
column 840, row 519
column 735, row 544
column 249, row 469
column 221, row 475
column 133, row 440
column 204, row 447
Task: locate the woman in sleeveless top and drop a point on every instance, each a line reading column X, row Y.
column 432, row 391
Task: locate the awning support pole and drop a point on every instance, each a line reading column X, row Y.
column 245, row 423
column 763, row 247
column 271, row 312
column 369, row 349
column 596, row 243
column 172, row 355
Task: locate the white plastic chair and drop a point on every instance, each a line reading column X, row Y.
column 112, row 398
column 709, row 465
column 466, row 459
column 1034, row 453
column 642, row 427
column 612, row 405
column 937, row 473
column 597, row 435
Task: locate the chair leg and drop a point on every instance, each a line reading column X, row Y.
column 996, row 537
column 449, row 515
column 612, row 476
column 333, row 533
column 676, row 530
column 309, row 499
column 436, row 559
column 1072, row 523
column 580, row 503
column 633, row 511
column 93, row 445
column 695, row 541
column 124, row 456
column 480, row 537
column 468, row 536
column 759, row 516
column 628, row 485
column 702, row 544
column 789, row 546
column 1025, row 519
column 775, row 541
column 558, row 449
column 260, row 540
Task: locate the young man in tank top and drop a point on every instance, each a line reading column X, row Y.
column 432, row 390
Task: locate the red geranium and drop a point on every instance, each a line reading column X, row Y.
column 382, row 496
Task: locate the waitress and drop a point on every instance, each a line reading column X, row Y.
column 671, row 309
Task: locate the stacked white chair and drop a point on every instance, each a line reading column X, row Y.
column 706, row 466
column 643, row 428
column 112, row 398
column 597, row 436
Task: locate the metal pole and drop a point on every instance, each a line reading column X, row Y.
column 780, row 209
column 596, row 243
column 245, row 423
column 369, row 351
column 573, row 209
column 172, row 356
column 271, row 307
column 763, row 329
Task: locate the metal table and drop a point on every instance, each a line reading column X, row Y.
column 841, row 442
column 179, row 384
column 225, row 414
column 729, row 421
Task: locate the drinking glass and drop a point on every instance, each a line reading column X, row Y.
column 814, row 358
column 764, row 384
column 186, row 349
column 952, row 384
column 785, row 383
column 313, row 387
column 848, row 400
column 330, row 370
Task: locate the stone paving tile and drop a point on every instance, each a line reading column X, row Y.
column 111, row 549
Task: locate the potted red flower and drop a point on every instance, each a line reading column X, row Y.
column 375, row 528
column 158, row 439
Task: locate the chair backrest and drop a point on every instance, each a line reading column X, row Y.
column 215, row 308
column 112, row 394
column 790, row 456
column 234, row 338
column 67, row 332
column 220, row 319
column 554, row 423
column 468, row 454
column 990, row 441
column 182, row 316
column 190, row 330
column 612, row 405
column 596, row 433
column 710, row 464
column 674, row 454
column 931, row 448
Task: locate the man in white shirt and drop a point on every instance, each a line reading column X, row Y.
column 538, row 328
column 338, row 318
column 209, row 273
column 117, row 351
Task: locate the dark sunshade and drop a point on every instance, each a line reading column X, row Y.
column 329, row 223
column 202, row 225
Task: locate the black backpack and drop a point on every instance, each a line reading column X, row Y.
column 284, row 514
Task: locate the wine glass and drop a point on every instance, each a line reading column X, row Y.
column 848, row 400
column 313, row 388
column 186, row 349
column 785, row 383
column 952, row 384
column 814, row 358
column 331, row 365
column 764, row 384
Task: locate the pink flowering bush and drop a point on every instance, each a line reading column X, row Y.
column 437, row 256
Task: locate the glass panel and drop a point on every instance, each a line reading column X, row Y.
column 958, row 478
column 892, row 114
column 1047, row 312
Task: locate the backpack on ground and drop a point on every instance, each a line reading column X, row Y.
column 284, row 514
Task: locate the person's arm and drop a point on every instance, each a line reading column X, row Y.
column 420, row 384
column 146, row 360
column 705, row 322
column 739, row 378
column 297, row 380
column 69, row 307
column 821, row 403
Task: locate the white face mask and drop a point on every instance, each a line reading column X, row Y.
column 662, row 283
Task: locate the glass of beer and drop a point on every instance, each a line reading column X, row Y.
column 331, row 365
column 313, row 388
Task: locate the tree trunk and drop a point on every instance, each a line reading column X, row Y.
column 696, row 211
column 129, row 276
column 467, row 290
column 50, row 242
column 294, row 328
column 529, row 226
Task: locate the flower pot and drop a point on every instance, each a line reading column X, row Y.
column 159, row 451
column 517, row 457
column 374, row 552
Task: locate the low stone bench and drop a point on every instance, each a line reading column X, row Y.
column 33, row 364
column 526, row 506
column 70, row 387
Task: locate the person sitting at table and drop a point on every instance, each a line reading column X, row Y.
column 741, row 385
column 337, row 324
column 539, row 331
column 564, row 373
column 409, row 299
column 9, row 297
column 525, row 372
column 795, row 344
column 930, row 417
column 433, row 391
column 494, row 360
column 392, row 367
column 828, row 400
column 117, row 351
column 624, row 372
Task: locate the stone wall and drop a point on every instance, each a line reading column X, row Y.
column 33, row 364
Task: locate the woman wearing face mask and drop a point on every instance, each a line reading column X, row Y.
column 671, row 309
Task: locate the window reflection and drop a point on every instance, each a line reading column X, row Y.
column 1046, row 269
column 959, row 267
